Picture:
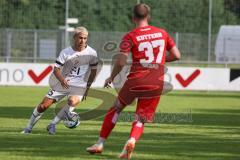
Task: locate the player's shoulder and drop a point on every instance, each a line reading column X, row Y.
column 127, row 35
column 159, row 29
column 147, row 30
column 67, row 51
column 91, row 50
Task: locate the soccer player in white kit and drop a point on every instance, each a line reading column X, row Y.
column 74, row 71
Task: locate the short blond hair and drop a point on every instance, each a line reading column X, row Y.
column 80, row 30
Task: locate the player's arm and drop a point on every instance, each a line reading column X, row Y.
column 91, row 77
column 93, row 70
column 173, row 55
column 93, row 73
column 120, row 61
column 173, row 52
column 58, row 75
column 57, row 71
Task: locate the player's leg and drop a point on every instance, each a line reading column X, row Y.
column 125, row 97
column 144, row 113
column 73, row 101
column 74, row 97
column 50, row 98
column 109, row 123
column 37, row 113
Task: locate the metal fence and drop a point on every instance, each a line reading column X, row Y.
column 194, row 28
column 18, row 45
column 37, row 45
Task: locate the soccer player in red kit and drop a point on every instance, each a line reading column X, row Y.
column 148, row 45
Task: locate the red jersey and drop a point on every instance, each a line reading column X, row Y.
column 145, row 81
column 147, row 44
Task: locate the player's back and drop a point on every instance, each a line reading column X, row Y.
column 148, row 45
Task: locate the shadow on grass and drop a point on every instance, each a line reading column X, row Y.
column 211, row 117
column 22, row 112
column 65, row 145
column 204, row 95
column 152, row 145
column 220, row 111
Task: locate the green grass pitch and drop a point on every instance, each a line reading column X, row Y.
column 208, row 128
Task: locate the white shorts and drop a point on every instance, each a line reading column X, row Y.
column 58, row 95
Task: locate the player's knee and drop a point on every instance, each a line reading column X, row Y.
column 42, row 107
column 73, row 102
column 141, row 120
column 119, row 106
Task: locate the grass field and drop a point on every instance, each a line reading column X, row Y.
column 210, row 130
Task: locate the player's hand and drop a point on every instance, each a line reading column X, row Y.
column 107, row 83
column 64, row 84
column 85, row 95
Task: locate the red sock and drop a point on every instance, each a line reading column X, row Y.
column 137, row 130
column 109, row 122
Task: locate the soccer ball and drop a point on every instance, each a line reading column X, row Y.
column 71, row 120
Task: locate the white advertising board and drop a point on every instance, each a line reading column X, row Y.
column 182, row 78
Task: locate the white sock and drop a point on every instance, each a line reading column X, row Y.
column 101, row 141
column 61, row 114
column 131, row 139
column 56, row 120
column 71, row 108
column 34, row 118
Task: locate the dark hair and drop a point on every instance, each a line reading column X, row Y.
column 141, row 11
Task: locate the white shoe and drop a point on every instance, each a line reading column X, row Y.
column 127, row 150
column 51, row 128
column 26, row 131
column 96, row 148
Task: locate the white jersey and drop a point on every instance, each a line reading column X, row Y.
column 76, row 65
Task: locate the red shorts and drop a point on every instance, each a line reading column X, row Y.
column 146, row 108
column 147, row 87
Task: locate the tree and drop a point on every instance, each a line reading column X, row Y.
column 186, row 16
column 233, row 6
